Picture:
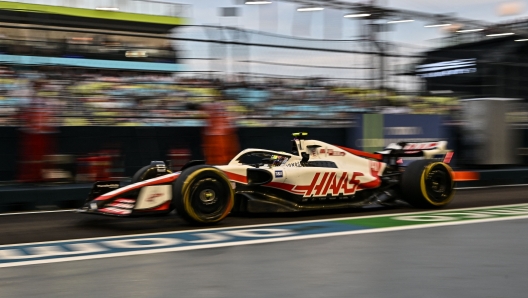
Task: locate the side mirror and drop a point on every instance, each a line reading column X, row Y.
column 305, row 157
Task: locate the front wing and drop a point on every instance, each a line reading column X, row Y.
column 153, row 196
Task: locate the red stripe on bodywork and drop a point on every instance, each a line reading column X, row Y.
column 448, row 157
column 236, row 177
column 372, row 184
column 159, row 180
column 161, row 207
column 117, row 211
column 283, row 186
column 375, row 156
column 125, row 201
column 243, row 179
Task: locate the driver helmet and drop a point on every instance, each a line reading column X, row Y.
column 277, row 160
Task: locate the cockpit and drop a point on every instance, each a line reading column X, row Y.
column 261, row 158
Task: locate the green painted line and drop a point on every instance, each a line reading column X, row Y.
column 14, row 255
column 93, row 13
column 440, row 217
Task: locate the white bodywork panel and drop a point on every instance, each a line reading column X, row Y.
column 429, row 149
column 153, row 196
column 340, row 173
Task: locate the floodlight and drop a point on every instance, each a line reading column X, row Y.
column 399, row 21
column 357, row 15
column 437, row 25
column 469, row 30
column 257, row 2
column 107, row 8
column 313, row 8
column 500, row 34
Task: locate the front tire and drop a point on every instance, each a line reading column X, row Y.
column 428, row 184
column 203, row 195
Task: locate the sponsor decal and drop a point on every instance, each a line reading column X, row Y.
column 279, row 174
column 108, row 185
column 331, row 184
column 332, row 152
column 447, row 68
column 154, row 196
column 294, row 164
column 420, row 146
column 151, row 198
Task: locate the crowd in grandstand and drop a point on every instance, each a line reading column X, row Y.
column 77, row 97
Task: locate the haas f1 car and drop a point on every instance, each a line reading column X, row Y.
column 314, row 175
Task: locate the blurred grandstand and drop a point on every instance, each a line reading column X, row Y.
column 80, row 97
column 133, row 74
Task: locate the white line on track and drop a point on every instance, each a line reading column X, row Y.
column 259, row 241
column 37, row 212
column 271, row 224
column 491, row 186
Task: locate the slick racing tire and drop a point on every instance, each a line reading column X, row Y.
column 203, row 195
column 428, row 184
column 148, row 172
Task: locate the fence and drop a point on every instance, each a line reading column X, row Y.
column 262, row 79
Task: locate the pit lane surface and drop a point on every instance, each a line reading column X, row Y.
column 475, row 260
column 39, row 227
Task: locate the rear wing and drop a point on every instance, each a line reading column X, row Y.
column 426, row 150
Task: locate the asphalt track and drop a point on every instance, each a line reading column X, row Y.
column 50, row 226
column 477, row 260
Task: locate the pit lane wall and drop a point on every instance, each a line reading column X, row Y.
column 134, row 147
column 137, row 146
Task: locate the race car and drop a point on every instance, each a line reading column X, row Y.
column 314, row 175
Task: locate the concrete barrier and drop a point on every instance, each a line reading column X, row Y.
column 22, row 197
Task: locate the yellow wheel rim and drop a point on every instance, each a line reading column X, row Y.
column 423, row 187
column 186, row 195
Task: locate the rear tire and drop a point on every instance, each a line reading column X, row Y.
column 148, row 172
column 428, row 184
column 203, row 195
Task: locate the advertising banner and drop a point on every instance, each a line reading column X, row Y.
column 375, row 131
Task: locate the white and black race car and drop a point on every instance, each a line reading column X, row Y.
column 314, row 175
